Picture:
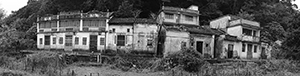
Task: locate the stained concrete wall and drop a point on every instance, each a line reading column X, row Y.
column 175, row 41
column 208, row 43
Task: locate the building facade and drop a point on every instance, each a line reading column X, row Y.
column 73, row 31
column 133, row 34
column 247, row 33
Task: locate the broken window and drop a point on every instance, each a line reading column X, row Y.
column 150, row 42
column 121, row 40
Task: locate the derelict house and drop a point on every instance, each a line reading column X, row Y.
column 242, row 38
column 73, row 31
column 133, row 35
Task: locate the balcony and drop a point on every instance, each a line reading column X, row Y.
column 249, row 38
column 244, row 21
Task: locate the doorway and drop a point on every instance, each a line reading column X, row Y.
column 47, row 40
column 230, row 50
column 199, row 46
column 93, row 42
column 249, row 51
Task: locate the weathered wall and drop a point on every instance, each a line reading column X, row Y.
column 235, row 31
column 145, row 37
column 237, row 49
column 220, row 22
column 175, row 41
column 208, row 43
column 120, row 30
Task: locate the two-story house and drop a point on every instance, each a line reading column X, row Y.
column 182, row 30
column 73, row 31
column 243, row 36
column 133, row 34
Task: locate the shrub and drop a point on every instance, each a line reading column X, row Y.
column 189, row 60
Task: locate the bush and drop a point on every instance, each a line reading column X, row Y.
column 189, row 60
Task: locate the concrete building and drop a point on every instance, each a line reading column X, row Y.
column 247, row 33
column 73, row 31
column 133, row 34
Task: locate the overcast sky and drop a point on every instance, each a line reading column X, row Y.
column 13, row 5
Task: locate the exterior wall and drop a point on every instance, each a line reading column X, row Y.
column 207, row 40
column 184, row 21
column 237, row 49
column 144, row 34
column 254, row 55
column 235, row 31
column 119, row 30
column 220, row 22
column 175, row 41
column 40, row 46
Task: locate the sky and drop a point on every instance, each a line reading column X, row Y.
column 13, row 5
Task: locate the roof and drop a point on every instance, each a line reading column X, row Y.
column 131, row 20
column 182, row 10
column 204, row 30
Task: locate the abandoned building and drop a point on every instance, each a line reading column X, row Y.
column 173, row 30
column 73, row 30
column 133, row 34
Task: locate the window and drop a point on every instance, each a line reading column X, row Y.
column 53, row 30
column 76, row 40
column 85, row 29
column 84, row 40
column 69, row 29
column 69, row 40
column 102, row 41
column 61, row 40
column 254, row 33
column 47, row 40
column 128, row 30
column 54, row 40
column 41, row 40
column 255, row 48
column 189, row 18
column 243, row 48
column 121, row 40
column 150, row 42
column 230, row 47
column 169, row 15
column 113, row 30
column 247, row 32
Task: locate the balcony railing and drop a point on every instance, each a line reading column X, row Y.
column 250, row 38
column 243, row 21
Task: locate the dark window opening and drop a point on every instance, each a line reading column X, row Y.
column 76, row 40
column 128, row 30
column 102, row 41
column 113, row 30
column 255, row 48
column 69, row 40
column 61, row 40
column 169, row 15
column 247, row 32
column 243, row 48
column 121, row 40
column 84, row 41
column 54, row 40
column 189, row 18
column 41, row 40
column 47, row 40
